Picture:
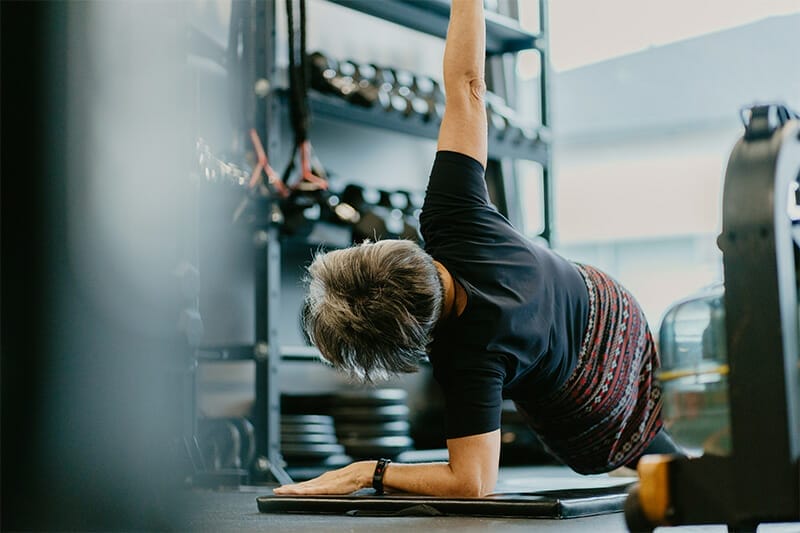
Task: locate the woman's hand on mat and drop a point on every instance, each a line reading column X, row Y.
column 342, row 481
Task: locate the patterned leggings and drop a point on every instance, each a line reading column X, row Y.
column 609, row 410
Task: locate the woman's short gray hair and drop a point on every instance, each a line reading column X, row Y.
column 371, row 308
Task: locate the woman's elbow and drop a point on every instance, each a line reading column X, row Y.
column 473, row 488
column 477, row 88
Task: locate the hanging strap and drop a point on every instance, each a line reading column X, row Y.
column 298, row 95
column 298, row 79
column 264, row 166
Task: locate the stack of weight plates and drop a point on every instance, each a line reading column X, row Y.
column 308, row 436
column 372, row 423
column 308, row 439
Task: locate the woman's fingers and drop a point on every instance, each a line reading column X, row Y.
column 325, row 484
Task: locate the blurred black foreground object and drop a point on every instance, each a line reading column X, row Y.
column 91, row 148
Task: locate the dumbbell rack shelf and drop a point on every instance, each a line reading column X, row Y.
column 331, row 107
column 503, row 34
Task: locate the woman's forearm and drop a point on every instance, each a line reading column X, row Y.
column 471, row 472
column 465, row 47
column 464, row 128
column 435, row 479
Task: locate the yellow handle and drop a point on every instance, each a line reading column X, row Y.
column 669, row 375
column 654, row 487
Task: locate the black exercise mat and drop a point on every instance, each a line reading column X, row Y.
column 568, row 503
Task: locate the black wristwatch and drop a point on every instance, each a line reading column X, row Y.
column 377, row 477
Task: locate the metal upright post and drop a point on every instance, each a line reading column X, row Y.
column 269, row 462
column 542, row 43
column 502, row 174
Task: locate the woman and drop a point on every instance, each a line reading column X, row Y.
column 498, row 316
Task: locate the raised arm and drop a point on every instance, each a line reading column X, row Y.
column 464, row 128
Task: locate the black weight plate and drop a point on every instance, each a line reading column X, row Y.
column 385, row 429
column 305, row 403
column 390, row 446
column 307, row 429
column 370, row 398
column 307, row 419
column 308, row 438
column 380, row 442
column 331, row 461
column 302, row 470
column 387, row 413
column 311, row 450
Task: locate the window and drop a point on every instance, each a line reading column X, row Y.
column 644, row 110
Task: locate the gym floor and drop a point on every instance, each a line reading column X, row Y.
column 236, row 511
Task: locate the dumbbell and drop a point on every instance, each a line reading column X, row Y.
column 215, row 170
column 220, row 443
column 332, row 198
column 334, row 77
column 343, row 212
column 390, row 208
column 411, row 214
column 402, row 92
column 420, row 105
column 247, row 439
column 499, row 116
column 359, row 83
column 504, row 124
column 366, row 79
column 519, row 133
column 350, row 204
column 302, row 209
column 430, row 91
column 323, row 71
column 359, row 206
column 384, row 81
column 413, row 99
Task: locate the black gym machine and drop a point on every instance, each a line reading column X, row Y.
column 759, row 481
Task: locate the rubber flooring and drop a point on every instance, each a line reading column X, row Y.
column 236, row 511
